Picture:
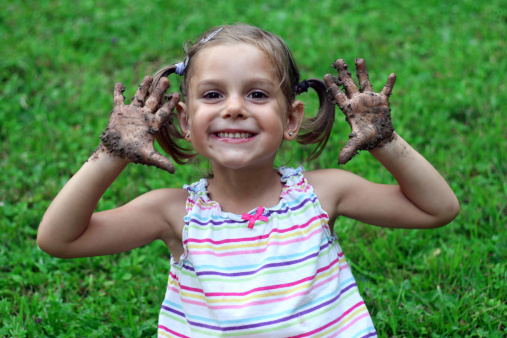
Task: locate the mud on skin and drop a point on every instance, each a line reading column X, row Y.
column 131, row 130
column 367, row 112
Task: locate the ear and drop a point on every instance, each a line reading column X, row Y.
column 184, row 119
column 294, row 119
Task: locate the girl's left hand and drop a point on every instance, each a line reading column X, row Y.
column 367, row 112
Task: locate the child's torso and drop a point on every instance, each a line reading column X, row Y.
column 276, row 272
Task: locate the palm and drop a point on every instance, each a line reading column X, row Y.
column 367, row 112
column 131, row 130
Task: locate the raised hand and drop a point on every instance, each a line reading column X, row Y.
column 367, row 112
column 131, row 130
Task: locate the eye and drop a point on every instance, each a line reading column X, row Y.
column 258, row 95
column 212, row 95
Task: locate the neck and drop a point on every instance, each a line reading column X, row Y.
column 239, row 191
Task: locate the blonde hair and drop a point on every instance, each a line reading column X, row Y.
column 315, row 129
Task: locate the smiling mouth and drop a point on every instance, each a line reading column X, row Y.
column 235, row 135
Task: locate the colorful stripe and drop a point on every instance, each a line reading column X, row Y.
column 286, row 277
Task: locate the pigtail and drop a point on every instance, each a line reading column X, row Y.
column 169, row 137
column 163, row 72
column 317, row 129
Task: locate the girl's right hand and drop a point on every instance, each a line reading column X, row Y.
column 131, row 130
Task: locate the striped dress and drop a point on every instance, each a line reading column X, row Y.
column 274, row 272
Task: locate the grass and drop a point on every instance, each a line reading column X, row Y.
column 60, row 60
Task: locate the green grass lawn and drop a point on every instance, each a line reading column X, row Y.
column 59, row 61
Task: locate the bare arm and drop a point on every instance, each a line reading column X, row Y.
column 69, row 227
column 419, row 182
column 422, row 198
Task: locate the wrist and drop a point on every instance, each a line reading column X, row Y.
column 386, row 140
column 103, row 154
column 396, row 148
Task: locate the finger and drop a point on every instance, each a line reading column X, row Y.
column 157, row 94
column 388, row 88
column 164, row 113
column 118, row 97
column 337, row 93
column 362, row 76
column 141, row 92
column 158, row 160
column 348, row 84
column 349, row 151
column 357, row 141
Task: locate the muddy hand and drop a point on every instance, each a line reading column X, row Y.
column 131, row 130
column 367, row 112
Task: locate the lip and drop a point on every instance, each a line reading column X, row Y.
column 233, row 135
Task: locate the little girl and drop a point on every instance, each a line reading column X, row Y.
column 253, row 250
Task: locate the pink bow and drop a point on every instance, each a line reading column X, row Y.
column 252, row 218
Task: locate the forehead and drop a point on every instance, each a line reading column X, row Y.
column 237, row 60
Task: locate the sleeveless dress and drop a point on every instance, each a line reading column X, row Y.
column 274, row 272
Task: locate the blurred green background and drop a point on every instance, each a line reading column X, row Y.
column 59, row 61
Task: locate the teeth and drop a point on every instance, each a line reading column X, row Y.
column 234, row 135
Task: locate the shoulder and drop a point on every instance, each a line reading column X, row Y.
column 168, row 205
column 167, row 201
column 172, row 194
column 323, row 179
column 319, row 175
column 332, row 186
column 162, row 199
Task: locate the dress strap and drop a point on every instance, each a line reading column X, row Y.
column 197, row 193
column 294, row 181
column 291, row 175
column 197, row 188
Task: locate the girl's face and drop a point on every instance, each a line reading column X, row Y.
column 235, row 111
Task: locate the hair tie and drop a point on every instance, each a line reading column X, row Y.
column 180, row 67
column 302, row 87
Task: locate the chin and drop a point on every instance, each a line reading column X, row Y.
column 234, row 165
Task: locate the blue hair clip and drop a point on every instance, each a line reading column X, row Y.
column 180, row 66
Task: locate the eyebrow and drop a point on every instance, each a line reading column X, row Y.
column 207, row 83
column 255, row 81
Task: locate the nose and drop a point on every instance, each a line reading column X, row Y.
column 234, row 108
